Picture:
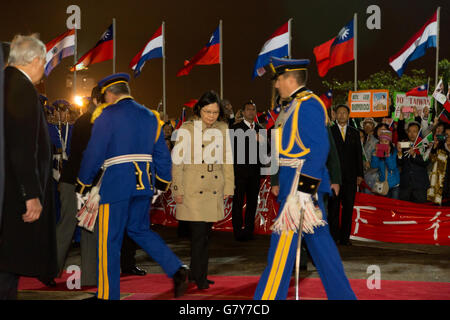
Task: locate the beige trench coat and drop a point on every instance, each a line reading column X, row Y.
column 202, row 183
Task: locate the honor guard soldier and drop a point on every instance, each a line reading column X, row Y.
column 303, row 147
column 128, row 148
column 60, row 133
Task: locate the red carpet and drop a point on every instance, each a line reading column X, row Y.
column 159, row 287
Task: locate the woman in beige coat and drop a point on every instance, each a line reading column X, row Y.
column 203, row 178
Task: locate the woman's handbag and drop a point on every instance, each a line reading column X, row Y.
column 381, row 188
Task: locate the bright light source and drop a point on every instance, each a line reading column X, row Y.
column 78, row 101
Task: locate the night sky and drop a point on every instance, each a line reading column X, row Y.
column 246, row 26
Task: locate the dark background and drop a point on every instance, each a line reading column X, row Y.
column 246, row 26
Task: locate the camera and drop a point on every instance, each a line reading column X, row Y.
column 405, row 144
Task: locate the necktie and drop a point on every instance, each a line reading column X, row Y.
column 251, row 126
column 343, row 133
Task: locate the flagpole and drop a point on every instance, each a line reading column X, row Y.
column 75, row 62
column 355, row 48
column 164, row 68
column 438, row 18
column 114, row 45
column 221, row 59
column 290, row 38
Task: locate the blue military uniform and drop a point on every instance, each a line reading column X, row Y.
column 303, row 136
column 124, row 129
column 60, row 135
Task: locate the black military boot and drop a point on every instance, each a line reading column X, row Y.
column 181, row 281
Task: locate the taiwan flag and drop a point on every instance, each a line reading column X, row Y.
column 327, row 98
column 102, row 51
column 420, row 91
column 181, row 120
column 336, row 51
column 210, row 54
column 191, row 103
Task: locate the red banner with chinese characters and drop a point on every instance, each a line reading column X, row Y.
column 387, row 220
column 374, row 217
column 163, row 211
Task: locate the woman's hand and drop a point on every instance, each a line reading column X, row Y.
column 275, row 190
column 178, row 199
column 226, row 196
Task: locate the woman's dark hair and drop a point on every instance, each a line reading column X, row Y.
column 375, row 134
column 207, row 98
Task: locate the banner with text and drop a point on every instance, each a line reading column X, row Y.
column 368, row 103
column 407, row 104
column 374, row 218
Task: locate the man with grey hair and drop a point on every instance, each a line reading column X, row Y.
column 27, row 237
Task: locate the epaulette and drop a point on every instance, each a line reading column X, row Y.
column 307, row 94
column 303, row 94
column 160, row 124
column 98, row 111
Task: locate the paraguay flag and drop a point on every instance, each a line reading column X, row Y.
column 58, row 49
column 416, row 46
column 102, row 51
column 420, row 91
column 210, row 54
column 153, row 49
column 336, row 51
column 277, row 46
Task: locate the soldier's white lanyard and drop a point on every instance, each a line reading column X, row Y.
column 63, row 142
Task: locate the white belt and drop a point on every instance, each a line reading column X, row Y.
column 290, row 162
column 127, row 158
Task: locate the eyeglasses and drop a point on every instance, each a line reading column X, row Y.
column 214, row 113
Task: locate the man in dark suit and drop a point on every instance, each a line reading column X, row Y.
column 27, row 236
column 414, row 181
column 246, row 173
column 350, row 154
column 2, row 146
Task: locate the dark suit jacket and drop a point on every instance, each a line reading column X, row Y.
column 27, row 249
column 414, row 173
column 2, row 154
column 245, row 169
column 81, row 134
column 333, row 161
column 350, row 154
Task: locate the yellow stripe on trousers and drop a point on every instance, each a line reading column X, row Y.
column 103, row 289
column 100, row 252
column 278, row 264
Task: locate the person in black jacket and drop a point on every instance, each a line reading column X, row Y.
column 27, row 234
column 348, row 144
column 246, row 173
column 414, row 180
